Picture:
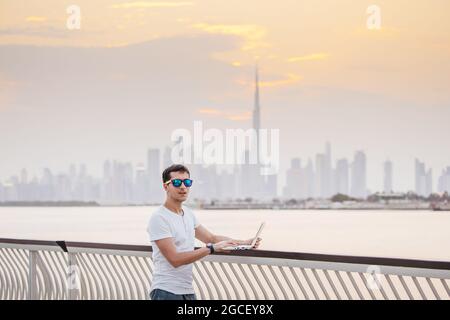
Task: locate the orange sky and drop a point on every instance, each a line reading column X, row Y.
column 298, row 42
column 322, row 72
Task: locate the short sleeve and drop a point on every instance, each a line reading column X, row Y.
column 158, row 228
column 196, row 221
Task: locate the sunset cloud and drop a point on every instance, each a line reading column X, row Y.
column 384, row 32
column 35, row 19
column 289, row 79
column 240, row 116
column 310, row 57
column 209, row 111
column 253, row 34
column 149, row 4
column 7, row 90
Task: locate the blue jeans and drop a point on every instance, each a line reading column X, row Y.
column 158, row 294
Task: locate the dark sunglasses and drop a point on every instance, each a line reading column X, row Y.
column 177, row 182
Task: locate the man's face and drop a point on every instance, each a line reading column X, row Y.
column 178, row 194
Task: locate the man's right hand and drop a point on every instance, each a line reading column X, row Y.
column 219, row 246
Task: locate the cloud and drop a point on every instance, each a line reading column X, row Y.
column 288, row 79
column 176, row 73
column 41, row 31
column 252, row 34
column 384, row 32
column 8, row 89
column 35, row 19
column 310, row 57
column 240, row 116
column 148, row 4
column 209, row 111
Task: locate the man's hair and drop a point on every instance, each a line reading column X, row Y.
column 173, row 168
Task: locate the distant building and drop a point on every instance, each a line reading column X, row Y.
column 309, row 179
column 319, row 178
column 342, row 177
column 358, row 187
column 293, row 180
column 154, row 175
column 444, row 181
column 323, row 177
column 140, row 186
column 387, row 177
column 423, row 179
column 327, row 185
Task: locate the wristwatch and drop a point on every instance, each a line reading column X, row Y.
column 210, row 246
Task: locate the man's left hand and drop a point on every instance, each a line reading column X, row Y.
column 249, row 241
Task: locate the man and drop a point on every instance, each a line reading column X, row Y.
column 172, row 229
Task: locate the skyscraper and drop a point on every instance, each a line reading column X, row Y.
column 444, row 181
column 359, row 176
column 154, row 176
column 257, row 113
column 167, row 157
column 293, row 180
column 140, row 186
column 387, row 179
column 320, row 177
column 424, row 179
column 327, row 173
column 259, row 186
column 429, row 182
column 341, row 177
column 323, row 180
column 419, row 170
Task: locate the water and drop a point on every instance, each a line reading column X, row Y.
column 401, row 234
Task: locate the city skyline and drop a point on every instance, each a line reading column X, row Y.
column 131, row 75
column 123, row 182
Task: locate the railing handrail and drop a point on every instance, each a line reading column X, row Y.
column 381, row 261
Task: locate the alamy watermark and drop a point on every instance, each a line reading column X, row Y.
column 73, row 279
column 73, row 21
column 228, row 147
column 374, row 280
column 374, row 18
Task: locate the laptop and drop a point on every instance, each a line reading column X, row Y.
column 248, row 246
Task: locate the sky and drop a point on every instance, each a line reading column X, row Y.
column 136, row 71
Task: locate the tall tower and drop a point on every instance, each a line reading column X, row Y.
column 387, row 185
column 358, row 187
column 257, row 112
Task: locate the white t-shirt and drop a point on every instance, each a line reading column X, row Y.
column 167, row 224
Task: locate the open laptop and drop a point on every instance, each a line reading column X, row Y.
column 248, row 246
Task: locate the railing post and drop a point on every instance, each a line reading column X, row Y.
column 32, row 262
column 73, row 280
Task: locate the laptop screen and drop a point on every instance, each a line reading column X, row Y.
column 258, row 233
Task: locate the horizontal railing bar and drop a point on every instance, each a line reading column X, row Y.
column 28, row 242
column 109, row 246
column 110, row 251
column 391, row 262
column 30, row 247
column 327, row 265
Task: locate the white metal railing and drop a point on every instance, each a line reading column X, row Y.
column 31, row 269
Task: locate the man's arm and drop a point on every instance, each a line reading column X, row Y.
column 177, row 259
column 205, row 236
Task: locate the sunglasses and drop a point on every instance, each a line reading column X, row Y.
column 177, row 182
